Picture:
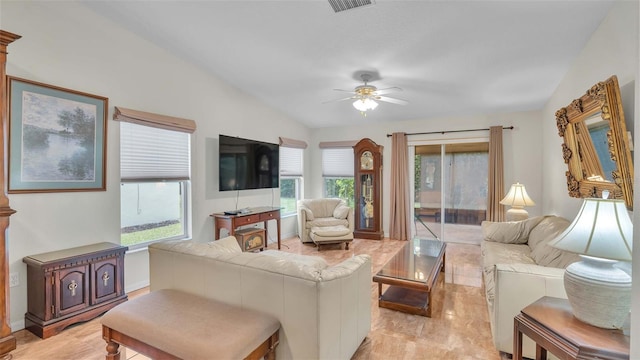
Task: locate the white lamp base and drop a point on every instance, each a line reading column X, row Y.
column 517, row 214
column 599, row 293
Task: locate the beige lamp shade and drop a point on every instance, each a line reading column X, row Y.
column 517, row 198
column 602, row 229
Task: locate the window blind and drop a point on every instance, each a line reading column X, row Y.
column 291, row 161
column 337, row 162
column 153, row 154
column 154, row 120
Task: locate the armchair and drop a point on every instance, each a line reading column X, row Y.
column 322, row 213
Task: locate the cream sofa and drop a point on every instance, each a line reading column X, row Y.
column 519, row 267
column 324, row 311
column 322, row 213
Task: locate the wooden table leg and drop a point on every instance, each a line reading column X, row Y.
column 517, row 339
column 541, row 353
column 113, row 351
column 278, row 225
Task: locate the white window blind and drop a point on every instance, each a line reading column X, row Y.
column 290, row 161
column 337, row 162
column 153, row 154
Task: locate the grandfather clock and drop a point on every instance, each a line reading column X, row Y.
column 367, row 185
column 7, row 340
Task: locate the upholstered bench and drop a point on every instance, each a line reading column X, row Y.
column 323, row 235
column 169, row 324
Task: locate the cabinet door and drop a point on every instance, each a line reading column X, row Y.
column 104, row 284
column 71, row 289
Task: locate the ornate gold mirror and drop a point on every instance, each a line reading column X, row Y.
column 596, row 144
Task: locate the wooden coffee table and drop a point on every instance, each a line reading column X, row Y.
column 411, row 275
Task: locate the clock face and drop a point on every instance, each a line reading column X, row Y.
column 366, row 161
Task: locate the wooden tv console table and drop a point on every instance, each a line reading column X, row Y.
column 255, row 215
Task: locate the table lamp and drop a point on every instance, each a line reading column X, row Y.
column 517, row 198
column 599, row 292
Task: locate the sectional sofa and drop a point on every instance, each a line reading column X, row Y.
column 324, row 311
column 519, row 267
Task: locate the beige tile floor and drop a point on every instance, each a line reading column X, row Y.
column 458, row 328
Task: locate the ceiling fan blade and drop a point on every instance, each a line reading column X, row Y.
column 388, row 90
column 349, row 91
column 337, row 100
column 392, row 100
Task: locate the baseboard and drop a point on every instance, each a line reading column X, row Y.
column 17, row 325
column 136, row 286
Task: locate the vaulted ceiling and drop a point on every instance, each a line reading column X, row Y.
column 450, row 57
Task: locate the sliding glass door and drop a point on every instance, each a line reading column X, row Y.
column 450, row 190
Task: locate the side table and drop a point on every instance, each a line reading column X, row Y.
column 550, row 323
column 255, row 215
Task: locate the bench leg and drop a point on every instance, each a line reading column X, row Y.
column 346, row 245
column 113, row 351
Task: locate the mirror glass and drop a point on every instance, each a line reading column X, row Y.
column 596, row 146
column 598, row 129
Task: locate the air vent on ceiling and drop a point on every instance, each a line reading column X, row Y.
column 342, row 5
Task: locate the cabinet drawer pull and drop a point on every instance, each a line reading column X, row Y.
column 72, row 287
column 105, row 278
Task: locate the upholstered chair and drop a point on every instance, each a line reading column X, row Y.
column 322, row 212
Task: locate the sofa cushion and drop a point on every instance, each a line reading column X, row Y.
column 314, row 262
column 327, row 221
column 544, row 254
column 514, row 232
column 499, row 253
column 330, row 231
column 341, row 211
column 307, row 213
column 321, row 207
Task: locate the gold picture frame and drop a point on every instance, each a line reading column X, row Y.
column 596, row 146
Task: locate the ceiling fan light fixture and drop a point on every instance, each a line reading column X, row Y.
column 365, row 104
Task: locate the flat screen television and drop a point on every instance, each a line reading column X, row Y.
column 247, row 164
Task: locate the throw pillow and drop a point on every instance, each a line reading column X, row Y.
column 341, row 212
column 512, row 232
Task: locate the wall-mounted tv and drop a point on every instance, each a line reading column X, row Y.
column 247, row 164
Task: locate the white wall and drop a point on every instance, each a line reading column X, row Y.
column 612, row 50
column 67, row 45
column 521, row 163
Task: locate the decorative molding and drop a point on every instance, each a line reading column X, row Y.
column 577, row 105
column 566, row 153
column 562, row 121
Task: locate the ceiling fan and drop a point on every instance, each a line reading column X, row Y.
column 366, row 95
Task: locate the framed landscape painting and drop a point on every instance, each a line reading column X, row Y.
column 57, row 138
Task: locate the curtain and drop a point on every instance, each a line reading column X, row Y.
column 399, row 220
column 495, row 211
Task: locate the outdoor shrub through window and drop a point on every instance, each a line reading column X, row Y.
column 337, row 172
column 151, row 211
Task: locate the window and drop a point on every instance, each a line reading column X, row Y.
column 291, row 170
column 154, row 172
column 337, row 173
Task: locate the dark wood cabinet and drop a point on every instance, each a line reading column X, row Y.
column 73, row 285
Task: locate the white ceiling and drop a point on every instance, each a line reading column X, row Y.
column 450, row 57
